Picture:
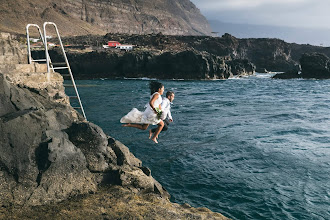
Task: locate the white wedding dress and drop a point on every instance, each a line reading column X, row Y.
column 147, row 117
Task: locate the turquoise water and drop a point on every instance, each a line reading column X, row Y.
column 252, row 148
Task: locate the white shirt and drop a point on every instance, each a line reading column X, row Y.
column 166, row 108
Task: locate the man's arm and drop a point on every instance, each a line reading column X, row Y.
column 170, row 115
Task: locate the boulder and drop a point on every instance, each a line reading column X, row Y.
column 315, row 65
column 293, row 74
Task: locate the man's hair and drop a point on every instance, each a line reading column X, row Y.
column 169, row 93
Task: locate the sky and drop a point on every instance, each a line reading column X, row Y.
column 291, row 13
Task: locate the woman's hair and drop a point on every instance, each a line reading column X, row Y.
column 155, row 86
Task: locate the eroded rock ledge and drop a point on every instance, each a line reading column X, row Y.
column 49, row 153
column 50, row 156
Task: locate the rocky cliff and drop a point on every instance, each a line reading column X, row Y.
column 78, row 17
column 166, row 65
column 187, row 57
column 155, row 56
column 50, row 154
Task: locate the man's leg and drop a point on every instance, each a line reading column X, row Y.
column 166, row 123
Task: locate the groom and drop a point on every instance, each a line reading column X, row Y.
column 166, row 112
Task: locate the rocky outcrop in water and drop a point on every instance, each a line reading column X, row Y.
column 78, row 17
column 293, row 74
column 313, row 65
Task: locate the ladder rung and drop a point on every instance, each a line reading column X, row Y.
column 68, row 85
column 73, row 97
column 40, row 60
column 77, row 107
column 58, row 63
column 59, row 68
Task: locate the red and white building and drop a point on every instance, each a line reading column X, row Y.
column 113, row 43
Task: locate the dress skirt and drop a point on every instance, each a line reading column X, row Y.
column 137, row 117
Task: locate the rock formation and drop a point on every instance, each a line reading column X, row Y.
column 174, row 17
column 287, row 75
column 49, row 153
column 156, row 56
column 313, row 65
column 188, row 64
column 265, row 54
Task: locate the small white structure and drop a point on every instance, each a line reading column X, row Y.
column 51, row 44
column 34, row 40
column 126, row 47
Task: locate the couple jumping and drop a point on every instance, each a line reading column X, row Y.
column 158, row 112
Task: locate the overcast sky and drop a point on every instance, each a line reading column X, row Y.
column 296, row 13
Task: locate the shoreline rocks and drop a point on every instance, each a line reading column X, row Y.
column 313, row 66
column 273, row 55
column 50, row 156
column 188, row 64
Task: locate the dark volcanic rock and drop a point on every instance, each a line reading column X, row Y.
column 186, row 64
column 315, row 65
column 50, row 153
column 241, row 67
column 47, row 154
column 266, row 54
column 293, row 74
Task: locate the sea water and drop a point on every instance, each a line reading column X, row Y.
column 252, row 148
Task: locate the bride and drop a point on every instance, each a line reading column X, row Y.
column 142, row 120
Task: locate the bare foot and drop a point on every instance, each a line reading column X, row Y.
column 126, row 125
column 150, row 134
column 154, row 140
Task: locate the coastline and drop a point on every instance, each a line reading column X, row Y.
column 58, row 161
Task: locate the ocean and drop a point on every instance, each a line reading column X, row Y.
column 249, row 148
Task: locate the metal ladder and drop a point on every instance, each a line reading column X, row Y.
column 50, row 64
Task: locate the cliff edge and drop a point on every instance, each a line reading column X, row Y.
column 49, row 155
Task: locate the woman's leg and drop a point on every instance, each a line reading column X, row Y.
column 159, row 128
column 151, row 131
column 139, row 126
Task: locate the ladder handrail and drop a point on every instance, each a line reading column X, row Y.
column 66, row 61
column 28, row 39
column 30, row 60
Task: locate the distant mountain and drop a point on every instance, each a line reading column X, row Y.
column 80, row 17
column 292, row 35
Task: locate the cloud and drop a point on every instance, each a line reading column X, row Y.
column 220, row 5
column 294, row 13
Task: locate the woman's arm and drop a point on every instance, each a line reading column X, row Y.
column 152, row 101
